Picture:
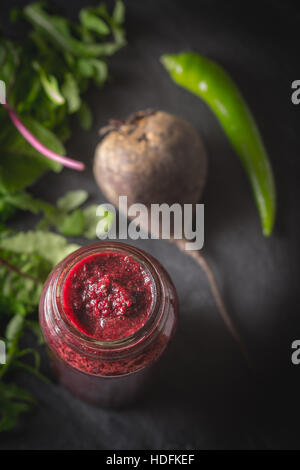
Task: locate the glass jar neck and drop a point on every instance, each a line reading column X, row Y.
column 58, row 321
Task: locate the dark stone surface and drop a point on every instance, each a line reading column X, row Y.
column 205, row 398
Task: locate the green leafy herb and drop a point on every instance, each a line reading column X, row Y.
column 71, row 92
column 26, row 260
column 21, row 278
column 49, row 245
column 85, row 116
column 21, row 164
column 14, row 400
column 72, row 200
column 46, row 75
column 92, row 22
column 72, row 224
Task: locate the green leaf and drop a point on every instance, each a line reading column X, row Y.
column 21, row 281
column 9, row 61
column 100, row 71
column 119, row 12
column 67, row 218
column 85, row 68
column 12, row 391
column 72, row 200
column 58, row 32
column 71, row 93
column 32, row 352
column 90, row 21
column 36, row 330
column 19, row 171
column 26, row 202
column 85, row 116
column 50, row 246
column 15, row 14
column 50, row 86
column 14, row 401
column 20, row 164
column 73, row 224
column 14, row 327
column 6, row 209
column 47, row 138
column 31, row 370
column 30, row 99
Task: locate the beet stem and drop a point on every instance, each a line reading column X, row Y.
column 199, row 258
column 35, row 143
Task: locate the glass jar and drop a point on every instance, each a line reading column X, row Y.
column 107, row 373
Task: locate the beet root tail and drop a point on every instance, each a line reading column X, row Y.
column 200, row 259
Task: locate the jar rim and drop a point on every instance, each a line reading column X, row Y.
column 146, row 332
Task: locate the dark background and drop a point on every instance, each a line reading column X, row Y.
column 205, row 398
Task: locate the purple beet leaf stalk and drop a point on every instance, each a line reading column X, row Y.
column 35, row 143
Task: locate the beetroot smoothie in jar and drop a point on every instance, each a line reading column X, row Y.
column 107, row 311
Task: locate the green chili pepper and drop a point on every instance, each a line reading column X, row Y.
column 213, row 84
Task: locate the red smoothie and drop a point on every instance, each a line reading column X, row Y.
column 108, row 296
